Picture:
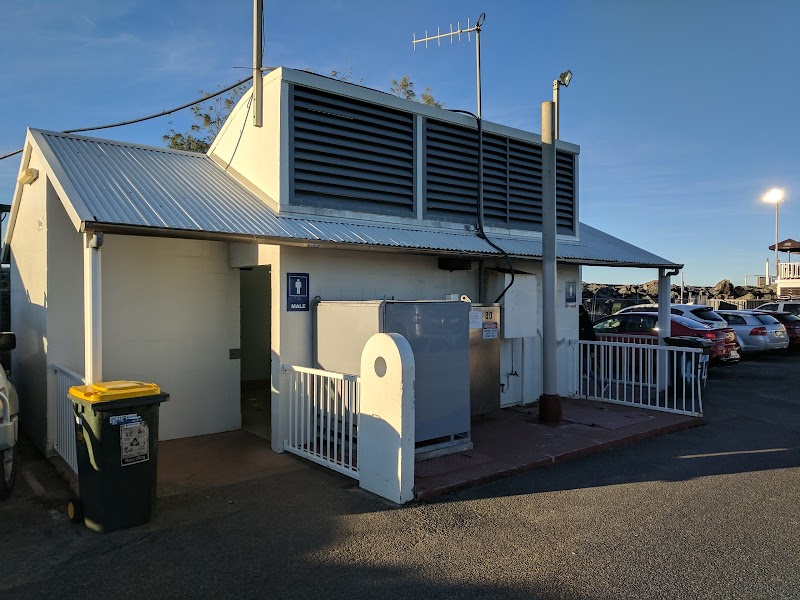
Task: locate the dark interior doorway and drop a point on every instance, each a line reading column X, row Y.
column 255, row 335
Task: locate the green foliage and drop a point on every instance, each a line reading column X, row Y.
column 405, row 89
column 209, row 117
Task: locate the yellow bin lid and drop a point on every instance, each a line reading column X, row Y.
column 108, row 391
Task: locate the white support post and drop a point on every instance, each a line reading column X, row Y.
column 386, row 418
column 549, row 402
column 92, row 307
column 664, row 326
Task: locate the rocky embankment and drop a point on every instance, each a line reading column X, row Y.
column 620, row 296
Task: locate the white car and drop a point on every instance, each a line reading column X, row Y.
column 756, row 332
column 698, row 312
column 790, row 306
column 9, row 423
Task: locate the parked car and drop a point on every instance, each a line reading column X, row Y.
column 698, row 312
column 620, row 326
column 790, row 306
column 756, row 332
column 9, row 427
column 790, row 322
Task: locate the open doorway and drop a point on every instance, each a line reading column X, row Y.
column 255, row 307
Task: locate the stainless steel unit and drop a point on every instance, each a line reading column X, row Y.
column 438, row 334
column 484, row 358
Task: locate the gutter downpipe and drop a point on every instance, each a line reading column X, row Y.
column 314, row 358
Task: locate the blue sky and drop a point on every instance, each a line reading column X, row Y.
column 686, row 111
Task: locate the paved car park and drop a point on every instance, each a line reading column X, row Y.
column 706, row 512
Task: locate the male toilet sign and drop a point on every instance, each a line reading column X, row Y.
column 297, row 292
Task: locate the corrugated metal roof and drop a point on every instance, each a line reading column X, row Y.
column 142, row 186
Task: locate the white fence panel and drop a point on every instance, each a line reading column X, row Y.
column 323, row 417
column 645, row 375
column 65, row 417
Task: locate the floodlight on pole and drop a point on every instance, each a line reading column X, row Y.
column 564, row 80
column 775, row 196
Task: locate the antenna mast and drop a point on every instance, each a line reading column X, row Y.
column 458, row 32
column 258, row 46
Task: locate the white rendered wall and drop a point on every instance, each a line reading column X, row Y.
column 65, row 289
column 358, row 275
column 340, row 275
column 170, row 316
column 523, row 356
column 28, row 307
column 253, row 154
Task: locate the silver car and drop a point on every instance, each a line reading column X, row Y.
column 756, row 332
column 698, row 312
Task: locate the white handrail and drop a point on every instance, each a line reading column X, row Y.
column 323, row 411
column 320, row 372
column 65, row 417
column 665, row 378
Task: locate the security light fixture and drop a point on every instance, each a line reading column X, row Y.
column 564, row 80
column 27, row 176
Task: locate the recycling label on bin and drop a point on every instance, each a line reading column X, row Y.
column 134, row 442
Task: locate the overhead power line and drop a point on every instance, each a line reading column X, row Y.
column 163, row 113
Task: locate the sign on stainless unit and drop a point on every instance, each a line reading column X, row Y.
column 484, row 358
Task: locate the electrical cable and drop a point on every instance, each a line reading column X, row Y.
column 163, row 113
column 480, row 231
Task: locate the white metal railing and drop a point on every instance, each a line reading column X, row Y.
column 642, row 374
column 789, row 270
column 323, row 417
column 65, row 417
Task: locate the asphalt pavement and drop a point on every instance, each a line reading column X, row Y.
column 708, row 512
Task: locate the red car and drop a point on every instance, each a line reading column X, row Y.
column 624, row 326
column 790, row 321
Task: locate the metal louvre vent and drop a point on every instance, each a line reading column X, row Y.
column 512, row 190
column 350, row 155
column 451, row 179
column 565, row 192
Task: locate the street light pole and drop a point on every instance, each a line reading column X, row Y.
column 775, row 196
column 777, row 275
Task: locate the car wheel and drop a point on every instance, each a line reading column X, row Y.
column 8, row 471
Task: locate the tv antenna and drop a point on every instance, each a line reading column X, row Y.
column 459, row 32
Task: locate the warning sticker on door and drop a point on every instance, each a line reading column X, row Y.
column 134, row 441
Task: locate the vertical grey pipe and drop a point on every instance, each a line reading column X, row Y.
column 258, row 44
column 664, row 326
column 314, row 358
column 549, row 402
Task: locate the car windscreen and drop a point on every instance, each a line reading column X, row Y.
column 707, row 314
column 767, row 319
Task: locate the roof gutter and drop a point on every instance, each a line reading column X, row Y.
column 241, row 238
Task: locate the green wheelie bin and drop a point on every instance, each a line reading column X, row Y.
column 116, row 438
